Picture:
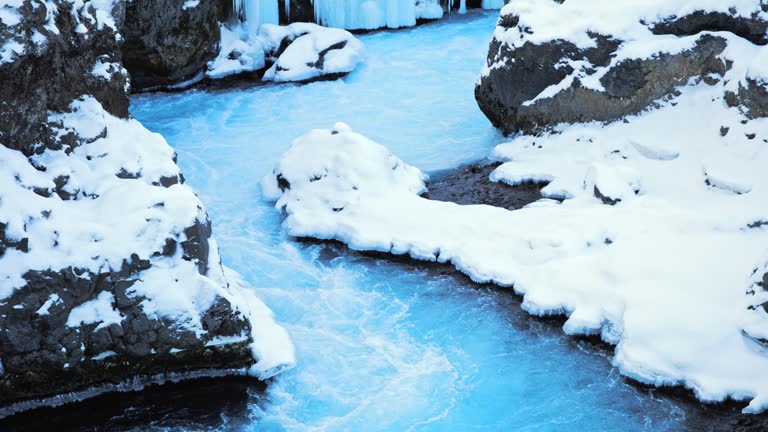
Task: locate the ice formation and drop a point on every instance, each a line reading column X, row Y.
column 346, row 14
column 255, row 12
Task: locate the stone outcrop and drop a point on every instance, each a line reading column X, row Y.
column 170, row 41
column 528, row 84
column 109, row 273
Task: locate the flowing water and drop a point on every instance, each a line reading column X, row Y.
column 382, row 344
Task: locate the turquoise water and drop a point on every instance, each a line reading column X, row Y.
column 386, row 345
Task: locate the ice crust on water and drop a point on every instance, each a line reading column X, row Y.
column 662, row 274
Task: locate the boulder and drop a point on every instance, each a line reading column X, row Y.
column 110, row 277
column 539, row 73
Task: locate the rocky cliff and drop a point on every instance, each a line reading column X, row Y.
column 547, row 66
column 170, row 41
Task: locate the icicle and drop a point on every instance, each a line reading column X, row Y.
column 365, row 14
column 463, row 7
column 288, row 8
column 255, row 12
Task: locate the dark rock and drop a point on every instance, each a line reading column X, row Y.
column 195, row 247
column 35, row 349
column 604, row 198
column 47, row 78
column 753, row 28
column 300, row 11
column 166, row 44
column 751, row 99
column 470, row 184
column 630, row 86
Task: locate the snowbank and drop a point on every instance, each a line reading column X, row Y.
column 297, row 52
column 662, row 273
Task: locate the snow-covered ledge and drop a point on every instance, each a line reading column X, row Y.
column 665, row 273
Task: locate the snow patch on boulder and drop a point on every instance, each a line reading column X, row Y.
column 297, row 52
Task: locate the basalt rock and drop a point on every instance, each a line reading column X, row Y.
column 170, row 41
column 73, row 46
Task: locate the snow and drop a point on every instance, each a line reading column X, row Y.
column 244, row 51
column 112, row 218
column 9, row 15
column 341, row 53
column 105, row 70
column 10, row 50
column 272, row 346
column 662, row 274
column 102, row 356
column 53, row 299
column 239, row 52
column 99, row 310
column 574, row 19
column 190, row 4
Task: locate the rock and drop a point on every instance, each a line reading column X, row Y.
column 30, row 90
column 299, row 52
column 470, row 184
column 86, row 272
column 299, row 11
column 753, row 28
column 532, row 82
column 168, row 42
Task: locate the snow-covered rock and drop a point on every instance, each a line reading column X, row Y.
column 661, row 263
column 298, row 52
column 109, row 274
column 636, row 54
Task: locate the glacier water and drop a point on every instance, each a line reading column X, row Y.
column 383, row 344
